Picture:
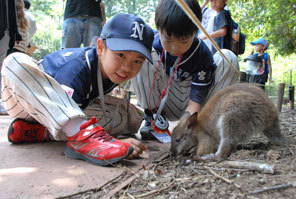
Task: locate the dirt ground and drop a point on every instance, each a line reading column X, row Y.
column 180, row 178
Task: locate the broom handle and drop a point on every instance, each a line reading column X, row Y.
column 195, row 20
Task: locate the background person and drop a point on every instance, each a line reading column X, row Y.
column 22, row 24
column 8, row 35
column 32, row 21
column 217, row 24
column 265, row 72
column 82, row 21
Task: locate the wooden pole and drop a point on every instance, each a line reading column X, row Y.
column 291, row 91
column 291, row 96
column 280, row 96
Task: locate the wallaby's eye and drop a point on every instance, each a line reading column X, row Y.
column 178, row 139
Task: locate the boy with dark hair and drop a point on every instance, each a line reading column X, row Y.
column 217, row 24
column 184, row 73
column 45, row 98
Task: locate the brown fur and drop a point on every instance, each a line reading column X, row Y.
column 231, row 116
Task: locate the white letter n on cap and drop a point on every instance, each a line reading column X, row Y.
column 138, row 30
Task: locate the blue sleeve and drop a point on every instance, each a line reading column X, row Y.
column 156, row 43
column 203, row 77
column 77, row 78
column 69, row 71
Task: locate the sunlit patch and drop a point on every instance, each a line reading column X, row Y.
column 64, row 182
column 76, row 171
column 18, row 170
column 3, row 139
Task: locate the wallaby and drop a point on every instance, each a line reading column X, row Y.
column 228, row 118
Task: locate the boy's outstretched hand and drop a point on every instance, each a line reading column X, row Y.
column 138, row 147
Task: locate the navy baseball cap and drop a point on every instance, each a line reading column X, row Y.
column 127, row 32
column 262, row 41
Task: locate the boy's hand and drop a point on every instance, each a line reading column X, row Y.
column 137, row 146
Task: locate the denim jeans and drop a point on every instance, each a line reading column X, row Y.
column 80, row 30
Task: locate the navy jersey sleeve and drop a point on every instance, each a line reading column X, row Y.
column 69, row 68
column 203, row 77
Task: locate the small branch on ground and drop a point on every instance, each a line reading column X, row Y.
column 276, row 187
column 155, row 191
column 262, row 167
column 222, row 178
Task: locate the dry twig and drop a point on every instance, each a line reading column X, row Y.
column 291, row 151
column 132, row 197
column 265, row 168
column 222, row 178
column 276, row 187
column 155, row 191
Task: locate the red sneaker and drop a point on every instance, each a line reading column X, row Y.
column 94, row 145
column 21, row 130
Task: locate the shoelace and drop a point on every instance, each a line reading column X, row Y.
column 104, row 136
column 99, row 134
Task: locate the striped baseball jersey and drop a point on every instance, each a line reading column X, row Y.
column 197, row 62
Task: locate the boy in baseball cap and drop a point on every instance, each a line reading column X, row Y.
column 47, row 99
column 261, row 41
column 265, row 74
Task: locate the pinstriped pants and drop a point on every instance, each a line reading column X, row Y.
column 179, row 92
column 31, row 94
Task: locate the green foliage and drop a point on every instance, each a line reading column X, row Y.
column 273, row 20
column 48, row 14
column 142, row 8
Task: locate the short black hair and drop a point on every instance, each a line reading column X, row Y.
column 27, row 4
column 169, row 16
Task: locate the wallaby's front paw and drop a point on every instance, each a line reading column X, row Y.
column 197, row 158
column 212, row 157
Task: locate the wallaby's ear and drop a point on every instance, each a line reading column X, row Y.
column 192, row 120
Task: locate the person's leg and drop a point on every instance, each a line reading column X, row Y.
column 52, row 107
column 178, row 93
column 42, row 98
column 225, row 75
column 142, row 83
column 39, row 96
column 126, row 119
column 93, row 27
column 4, row 42
column 71, row 36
